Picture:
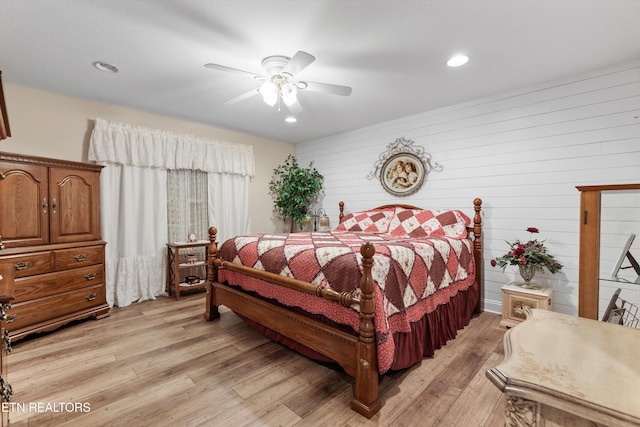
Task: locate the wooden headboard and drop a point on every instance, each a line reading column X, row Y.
column 475, row 229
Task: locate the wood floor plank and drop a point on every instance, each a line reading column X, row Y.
column 477, row 401
column 159, row 363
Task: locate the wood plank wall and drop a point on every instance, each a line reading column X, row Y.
column 522, row 152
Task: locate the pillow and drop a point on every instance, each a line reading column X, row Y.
column 374, row 221
column 425, row 223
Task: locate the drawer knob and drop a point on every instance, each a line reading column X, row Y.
column 90, row 297
column 80, row 257
column 90, row 276
column 22, row 265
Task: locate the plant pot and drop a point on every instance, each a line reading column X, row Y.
column 527, row 272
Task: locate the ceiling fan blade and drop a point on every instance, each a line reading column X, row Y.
column 230, row 70
column 299, row 62
column 295, row 108
column 242, row 97
column 328, row 88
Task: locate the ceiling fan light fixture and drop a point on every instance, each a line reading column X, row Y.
column 289, row 92
column 269, row 93
column 279, row 83
column 290, row 119
column 270, row 99
column 457, row 60
column 274, row 64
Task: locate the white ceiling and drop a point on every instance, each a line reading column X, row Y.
column 392, row 53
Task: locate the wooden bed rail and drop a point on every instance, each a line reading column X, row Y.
column 344, row 298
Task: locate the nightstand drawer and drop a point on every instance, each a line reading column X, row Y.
column 515, row 299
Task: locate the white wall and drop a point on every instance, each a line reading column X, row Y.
column 50, row 125
column 522, row 152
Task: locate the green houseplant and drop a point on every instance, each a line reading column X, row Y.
column 293, row 188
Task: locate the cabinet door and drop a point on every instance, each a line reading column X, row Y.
column 24, row 208
column 74, row 206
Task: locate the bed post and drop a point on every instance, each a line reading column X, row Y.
column 341, row 214
column 478, row 255
column 211, row 309
column 365, row 391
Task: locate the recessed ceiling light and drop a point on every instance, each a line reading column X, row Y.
column 458, row 60
column 106, row 67
column 290, row 119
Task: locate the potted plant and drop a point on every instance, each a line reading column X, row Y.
column 293, row 188
column 530, row 257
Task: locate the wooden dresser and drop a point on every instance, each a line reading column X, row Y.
column 561, row 370
column 50, row 233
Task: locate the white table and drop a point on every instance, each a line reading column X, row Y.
column 562, row 370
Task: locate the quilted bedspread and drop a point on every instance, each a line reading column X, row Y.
column 412, row 276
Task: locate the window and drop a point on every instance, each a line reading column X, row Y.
column 187, row 204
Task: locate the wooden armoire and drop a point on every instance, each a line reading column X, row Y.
column 50, row 233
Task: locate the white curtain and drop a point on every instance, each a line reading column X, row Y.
column 229, row 205
column 134, row 199
column 133, row 209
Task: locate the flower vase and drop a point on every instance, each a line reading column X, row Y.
column 527, row 272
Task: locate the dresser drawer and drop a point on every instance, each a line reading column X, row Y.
column 29, row 264
column 57, row 306
column 64, row 259
column 29, row 288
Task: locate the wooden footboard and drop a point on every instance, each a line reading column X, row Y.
column 356, row 354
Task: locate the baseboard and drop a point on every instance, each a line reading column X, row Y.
column 493, row 306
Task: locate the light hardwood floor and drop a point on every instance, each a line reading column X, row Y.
column 159, row 363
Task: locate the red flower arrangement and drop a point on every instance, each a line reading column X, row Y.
column 532, row 253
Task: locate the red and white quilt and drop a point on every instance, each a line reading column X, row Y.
column 412, row 276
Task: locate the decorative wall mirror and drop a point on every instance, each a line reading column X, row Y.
column 403, row 167
column 608, row 215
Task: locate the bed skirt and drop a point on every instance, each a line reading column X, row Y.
column 427, row 335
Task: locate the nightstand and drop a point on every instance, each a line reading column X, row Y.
column 186, row 266
column 515, row 298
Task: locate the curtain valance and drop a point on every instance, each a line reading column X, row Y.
column 125, row 144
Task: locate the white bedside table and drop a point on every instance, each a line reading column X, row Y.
column 515, row 298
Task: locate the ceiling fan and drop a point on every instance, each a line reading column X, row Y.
column 280, row 83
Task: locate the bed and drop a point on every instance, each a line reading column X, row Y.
column 385, row 288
